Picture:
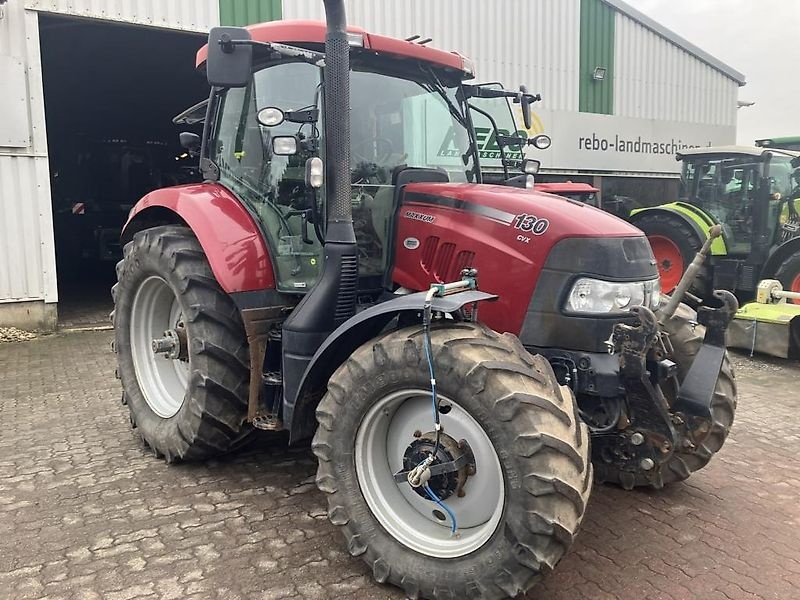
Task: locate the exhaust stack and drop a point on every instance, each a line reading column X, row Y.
column 339, row 213
column 332, row 300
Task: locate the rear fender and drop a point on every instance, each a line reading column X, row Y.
column 299, row 408
column 231, row 240
column 696, row 218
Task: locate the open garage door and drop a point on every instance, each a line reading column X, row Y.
column 110, row 94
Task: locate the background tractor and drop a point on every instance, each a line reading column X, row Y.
column 323, row 280
column 754, row 194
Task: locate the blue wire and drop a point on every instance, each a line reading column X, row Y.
column 433, row 377
column 432, row 495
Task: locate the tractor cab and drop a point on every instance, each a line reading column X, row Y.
column 751, row 192
column 411, row 115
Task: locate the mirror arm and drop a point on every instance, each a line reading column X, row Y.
column 496, row 133
column 315, row 58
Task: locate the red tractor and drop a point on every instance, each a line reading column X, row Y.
column 323, row 280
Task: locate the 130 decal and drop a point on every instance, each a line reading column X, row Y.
column 531, row 223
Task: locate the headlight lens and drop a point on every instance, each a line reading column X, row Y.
column 595, row 296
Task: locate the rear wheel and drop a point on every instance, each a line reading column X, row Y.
column 789, row 274
column 696, row 450
column 518, row 503
column 188, row 400
column 674, row 245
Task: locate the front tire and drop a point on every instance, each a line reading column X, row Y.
column 523, row 505
column 189, row 408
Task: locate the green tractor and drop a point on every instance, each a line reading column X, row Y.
column 753, row 193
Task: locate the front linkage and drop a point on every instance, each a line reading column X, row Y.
column 657, row 428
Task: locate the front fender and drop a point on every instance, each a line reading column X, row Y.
column 299, row 407
column 230, row 238
column 695, row 217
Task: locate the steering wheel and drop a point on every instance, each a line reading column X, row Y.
column 382, row 148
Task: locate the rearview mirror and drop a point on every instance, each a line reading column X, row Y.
column 525, row 103
column 190, row 141
column 230, row 57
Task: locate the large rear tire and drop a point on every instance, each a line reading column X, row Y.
column 189, row 408
column 526, row 499
column 686, row 340
column 674, row 245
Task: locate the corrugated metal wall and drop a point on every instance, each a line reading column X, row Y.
column 655, row 79
column 27, row 257
column 190, row 15
column 535, row 42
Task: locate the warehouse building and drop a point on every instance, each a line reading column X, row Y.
column 90, row 88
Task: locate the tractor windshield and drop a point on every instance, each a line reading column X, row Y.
column 403, row 118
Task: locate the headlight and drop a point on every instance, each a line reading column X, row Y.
column 595, row 296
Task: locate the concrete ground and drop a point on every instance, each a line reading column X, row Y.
column 86, row 513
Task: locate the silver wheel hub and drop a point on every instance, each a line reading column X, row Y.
column 159, row 346
column 390, row 432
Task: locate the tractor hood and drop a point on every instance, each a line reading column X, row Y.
column 511, row 206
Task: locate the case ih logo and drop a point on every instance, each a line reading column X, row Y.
column 410, row 214
column 487, row 144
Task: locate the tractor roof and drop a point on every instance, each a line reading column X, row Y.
column 731, row 150
column 313, row 32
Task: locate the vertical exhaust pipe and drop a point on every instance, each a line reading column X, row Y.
column 339, row 213
column 332, row 300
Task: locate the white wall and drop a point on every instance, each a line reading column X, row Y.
column 27, row 258
column 655, row 79
column 535, row 42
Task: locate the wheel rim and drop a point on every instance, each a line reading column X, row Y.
column 669, row 261
column 163, row 381
column 795, row 287
column 384, row 434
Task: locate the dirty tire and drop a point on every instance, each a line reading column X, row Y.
column 675, row 228
column 532, row 424
column 686, row 344
column 211, row 419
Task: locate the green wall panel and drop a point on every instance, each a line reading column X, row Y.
column 597, row 50
column 247, row 12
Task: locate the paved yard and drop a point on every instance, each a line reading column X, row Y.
column 86, row 513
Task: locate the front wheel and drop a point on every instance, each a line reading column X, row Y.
column 524, row 475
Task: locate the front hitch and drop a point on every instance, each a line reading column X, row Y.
column 651, row 438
